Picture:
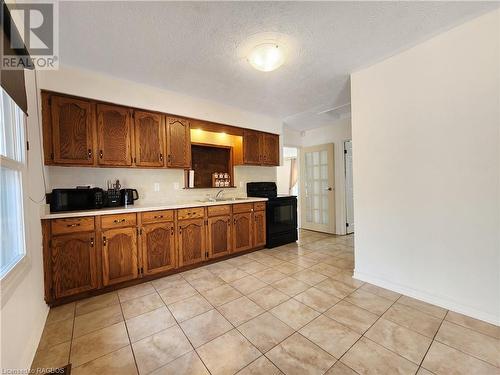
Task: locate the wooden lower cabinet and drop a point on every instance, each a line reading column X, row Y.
column 158, row 247
column 74, row 264
column 242, row 232
column 259, row 228
column 219, row 241
column 89, row 253
column 191, row 240
column 119, row 255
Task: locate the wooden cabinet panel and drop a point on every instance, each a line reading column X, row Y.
column 119, row 255
column 158, row 247
column 74, row 264
column 178, row 143
column 118, row 221
column 191, row 241
column 270, row 149
column 242, row 231
column 72, row 225
column 251, row 147
column 219, row 210
column 157, row 216
column 149, row 139
column 242, row 207
column 191, row 213
column 219, row 236
column 73, row 125
column 259, row 206
column 259, row 228
column 114, row 135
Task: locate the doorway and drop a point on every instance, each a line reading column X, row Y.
column 317, row 188
column 349, row 197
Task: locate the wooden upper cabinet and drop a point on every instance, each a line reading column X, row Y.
column 73, row 128
column 178, row 143
column 114, row 134
column 158, row 247
column 149, row 139
column 119, row 255
column 191, row 239
column 259, row 228
column 252, row 147
column 74, row 264
column 270, row 149
column 219, row 236
column 242, row 231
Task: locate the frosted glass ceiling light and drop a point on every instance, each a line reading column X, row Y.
column 266, row 57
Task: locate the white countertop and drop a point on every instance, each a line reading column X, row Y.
column 138, row 207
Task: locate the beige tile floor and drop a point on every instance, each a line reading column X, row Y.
column 293, row 309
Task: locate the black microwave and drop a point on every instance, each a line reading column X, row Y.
column 76, row 199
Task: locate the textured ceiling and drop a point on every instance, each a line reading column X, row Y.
column 196, row 48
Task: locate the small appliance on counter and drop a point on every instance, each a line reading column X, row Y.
column 87, row 198
column 128, row 196
column 75, row 199
column 281, row 213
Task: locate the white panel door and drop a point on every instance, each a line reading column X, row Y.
column 349, row 198
column 317, row 189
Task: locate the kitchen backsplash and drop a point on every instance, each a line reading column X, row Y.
column 144, row 181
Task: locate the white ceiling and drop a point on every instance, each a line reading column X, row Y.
column 195, row 47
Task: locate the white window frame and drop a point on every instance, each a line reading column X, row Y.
column 12, row 276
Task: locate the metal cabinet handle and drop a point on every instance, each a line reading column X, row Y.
column 92, row 242
column 104, row 241
column 89, row 153
column 172, row 231
column 161, row 156
column 119, row 221
column 180, row 230
column 169, row 158
column 158, row 217
column 73, row 225
column 100, row 154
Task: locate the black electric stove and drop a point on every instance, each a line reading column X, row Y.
column 281, row 213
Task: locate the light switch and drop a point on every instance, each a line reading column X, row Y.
column 157, row 186
column 176, row 186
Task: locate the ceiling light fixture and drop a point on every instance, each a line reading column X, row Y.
column 266, row 57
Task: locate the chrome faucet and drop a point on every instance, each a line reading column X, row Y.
column 220, row 193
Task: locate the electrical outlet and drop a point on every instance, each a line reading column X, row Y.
column 176, row 186
column 156, row 186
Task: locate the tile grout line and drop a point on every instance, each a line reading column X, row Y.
column 128, row 334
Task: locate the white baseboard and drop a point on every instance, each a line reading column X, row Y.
column 446, row 303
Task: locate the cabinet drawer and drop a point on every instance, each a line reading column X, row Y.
column 219, row 210
column 72, row 224
column 259, row 206
column 157, row 216
column 190, row 213
column 118, row 221
column 242, row 207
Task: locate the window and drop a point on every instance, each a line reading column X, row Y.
column 12, row 170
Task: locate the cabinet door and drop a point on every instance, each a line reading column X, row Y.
column 72, row 130
column 74, row 264
column 114, row 135
column 191, row 241
column 119, row 255
column 270, row 149
column 219, row 236
column 259, row 228
column 242, row 231
column 158, row 247
column 251, row 147
column 149, row 139
column 178, row 143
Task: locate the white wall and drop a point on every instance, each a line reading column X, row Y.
column 427, row 170
column 23, row 310
column 336, row 133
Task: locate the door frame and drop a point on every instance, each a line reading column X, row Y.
column 344, row 190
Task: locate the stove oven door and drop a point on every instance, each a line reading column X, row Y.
column 281, row 215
